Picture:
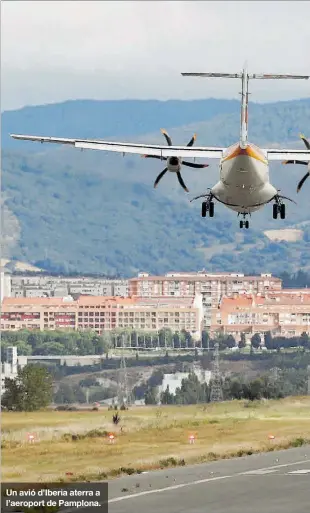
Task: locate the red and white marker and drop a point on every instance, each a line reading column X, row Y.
column 191, row 439
column 31, row 437
column 111, row 438
column 271, row 437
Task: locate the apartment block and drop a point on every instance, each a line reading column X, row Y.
column 9, row 367
column 59, row 286
column 5, row 285
column 102, row 314
column 283, row 313
column 212, row 286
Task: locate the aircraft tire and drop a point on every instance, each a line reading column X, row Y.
column 282, row 211
column 211, row 209
column 204, row 209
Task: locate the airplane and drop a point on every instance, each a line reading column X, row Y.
column 244, row 185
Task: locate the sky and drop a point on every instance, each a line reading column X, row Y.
column 52, row 51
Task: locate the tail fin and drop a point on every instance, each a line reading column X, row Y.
column 244, row 108
column 245, row 77
column 244, row 98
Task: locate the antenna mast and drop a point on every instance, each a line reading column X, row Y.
column 216, row 383
column 123, row 393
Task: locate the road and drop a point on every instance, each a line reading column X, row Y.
column 275, row 482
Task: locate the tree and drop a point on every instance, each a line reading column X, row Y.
column 255, row 390
column 205, row 339
column 242, row 341
column 256, row 341
column 236, row 390
column 304, row 340
column 23, row 348
column 165, row 337
column 64, row 394
column 268, row 340
column 150, row 396
column 156, row 378
column 166, row 397
column 230, row 341
column 31, row 390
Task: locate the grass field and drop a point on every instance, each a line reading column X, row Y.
column 146, row 438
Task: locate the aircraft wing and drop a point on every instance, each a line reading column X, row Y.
column 140, row 149
column 276, row 154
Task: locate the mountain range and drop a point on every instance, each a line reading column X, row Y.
column 97, row 212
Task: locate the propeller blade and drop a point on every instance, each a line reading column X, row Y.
column 307, row 144
column 302, row 181
column 181, row 181
column 168, row 139
column 164, row 171
column 295, row 162
column 153, row 157
column 193, row 139
column 196, row 166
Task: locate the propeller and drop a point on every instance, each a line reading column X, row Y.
column 302, row 162
column 174, row 163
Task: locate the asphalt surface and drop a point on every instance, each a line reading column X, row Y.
column 275, row 482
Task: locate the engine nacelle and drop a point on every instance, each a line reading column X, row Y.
column 174, row 164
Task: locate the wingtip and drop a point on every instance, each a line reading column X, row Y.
column 163, row 131
column 284, row 162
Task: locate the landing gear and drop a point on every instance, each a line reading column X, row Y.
column 244, row 223
column 207, row 206
column 278, row 208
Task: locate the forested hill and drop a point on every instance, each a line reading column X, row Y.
column 98, row 212
column 104, row 119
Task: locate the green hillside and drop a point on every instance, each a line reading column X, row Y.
column 98, row 212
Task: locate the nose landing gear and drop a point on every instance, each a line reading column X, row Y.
column 244, row 223
column 278, row 208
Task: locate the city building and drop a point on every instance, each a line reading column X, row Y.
column 212, row 286
column 100, row 314
column 9, row 367
column 59, row 286
column 5, row 285
column 283, row 313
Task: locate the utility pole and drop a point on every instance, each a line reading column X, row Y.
column 308, row 369
column 123, row 393
column 216, row 387
column 275, row 373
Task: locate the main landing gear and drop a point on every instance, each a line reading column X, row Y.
column 208, row 206
column 278, row 208
column 244, row 223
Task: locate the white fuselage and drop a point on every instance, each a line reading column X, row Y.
column 244, row 179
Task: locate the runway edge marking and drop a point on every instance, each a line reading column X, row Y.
column 200, row 481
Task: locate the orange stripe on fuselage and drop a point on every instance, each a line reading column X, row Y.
column 248, row 151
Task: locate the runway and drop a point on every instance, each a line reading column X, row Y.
column 275, row 482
